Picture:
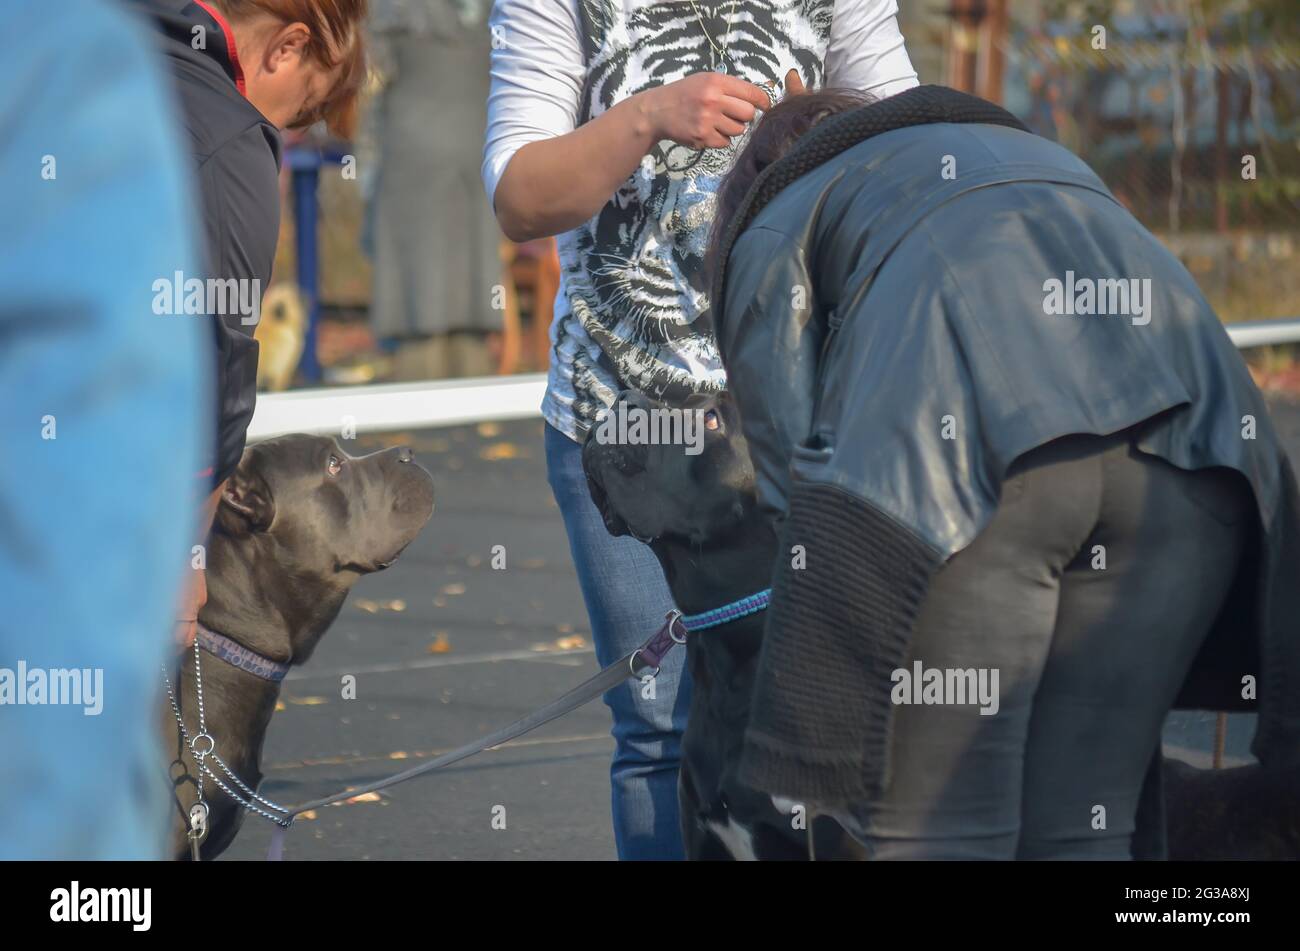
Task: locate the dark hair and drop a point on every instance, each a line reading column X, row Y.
column 771, row 138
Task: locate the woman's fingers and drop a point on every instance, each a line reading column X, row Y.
column 749, row 96
column 739, row 110
column 730, row 127
column 794, row 83
column 706, row 110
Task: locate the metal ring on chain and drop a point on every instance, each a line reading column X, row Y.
column 204, row 768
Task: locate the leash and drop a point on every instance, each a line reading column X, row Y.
column 643, row 661
column 734, row 611
column 646, row 659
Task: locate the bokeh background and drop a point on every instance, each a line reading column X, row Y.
column 1164, row 98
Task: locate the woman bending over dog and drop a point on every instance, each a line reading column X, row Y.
column 1036, row 499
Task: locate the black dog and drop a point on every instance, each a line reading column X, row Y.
column 699, row 516
column 1245, row 812
column 299, row 522
column 697, row 513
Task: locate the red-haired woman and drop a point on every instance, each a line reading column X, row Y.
column 245, row 70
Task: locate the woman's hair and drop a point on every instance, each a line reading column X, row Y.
column 337, row 42
column 774, row 135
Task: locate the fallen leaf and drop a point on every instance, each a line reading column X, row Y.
column 399, row 754
column 365, row 604
column 307, row 701
column 309, row 815
column 489, row 430
column 501, row 450
column 440, row 645
column 561, row 644
column 364, row 797
column 454, row 588
column 397, row 604
column 279, row 705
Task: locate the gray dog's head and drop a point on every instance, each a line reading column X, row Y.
column 323, row 512
column 682, row 474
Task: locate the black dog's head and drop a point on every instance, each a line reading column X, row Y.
column 680, row 474
column 324, row 513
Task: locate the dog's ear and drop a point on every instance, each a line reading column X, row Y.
column 246, row 502
column 614, row 523
column 794, row 84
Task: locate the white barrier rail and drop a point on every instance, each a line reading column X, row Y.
column 1263, row 333
column 386, row 407
column 394, row 406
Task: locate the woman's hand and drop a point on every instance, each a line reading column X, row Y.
column 539, row 193
column 702, row 111
column 193, row 597
column 194, row 591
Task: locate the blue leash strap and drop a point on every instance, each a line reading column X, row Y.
column 750, row 604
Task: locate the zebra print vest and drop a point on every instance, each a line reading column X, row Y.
column 632, row 309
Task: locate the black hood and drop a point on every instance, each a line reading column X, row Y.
column 176, row 20
column 212, row 77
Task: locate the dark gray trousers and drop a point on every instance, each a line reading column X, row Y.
column 1089, row 658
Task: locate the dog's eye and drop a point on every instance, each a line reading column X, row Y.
column 712, row 420
column 334, row 466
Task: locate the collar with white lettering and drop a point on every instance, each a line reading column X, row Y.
column 237, row 655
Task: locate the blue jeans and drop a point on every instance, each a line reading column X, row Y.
column 627, row 598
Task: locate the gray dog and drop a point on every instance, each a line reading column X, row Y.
column 299, row 523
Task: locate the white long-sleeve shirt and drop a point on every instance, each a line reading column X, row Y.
column 629, row 294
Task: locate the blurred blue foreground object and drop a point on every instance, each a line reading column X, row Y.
column 101, row 427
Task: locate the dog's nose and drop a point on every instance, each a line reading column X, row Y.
column 404, row 454
column 629, row 460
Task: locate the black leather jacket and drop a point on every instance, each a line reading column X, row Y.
column 884, row 318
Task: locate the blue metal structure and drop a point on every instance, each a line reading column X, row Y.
column 304, row 162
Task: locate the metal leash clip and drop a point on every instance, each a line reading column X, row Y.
column 653, row 651
column 198, row 828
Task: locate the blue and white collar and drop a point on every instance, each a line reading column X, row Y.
column 237, row 655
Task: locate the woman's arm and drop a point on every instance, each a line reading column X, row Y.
column 544, row 173
column 866, row 49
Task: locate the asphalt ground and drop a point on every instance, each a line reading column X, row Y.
column 444, row 647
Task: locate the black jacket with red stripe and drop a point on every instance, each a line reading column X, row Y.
column 237, row 158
